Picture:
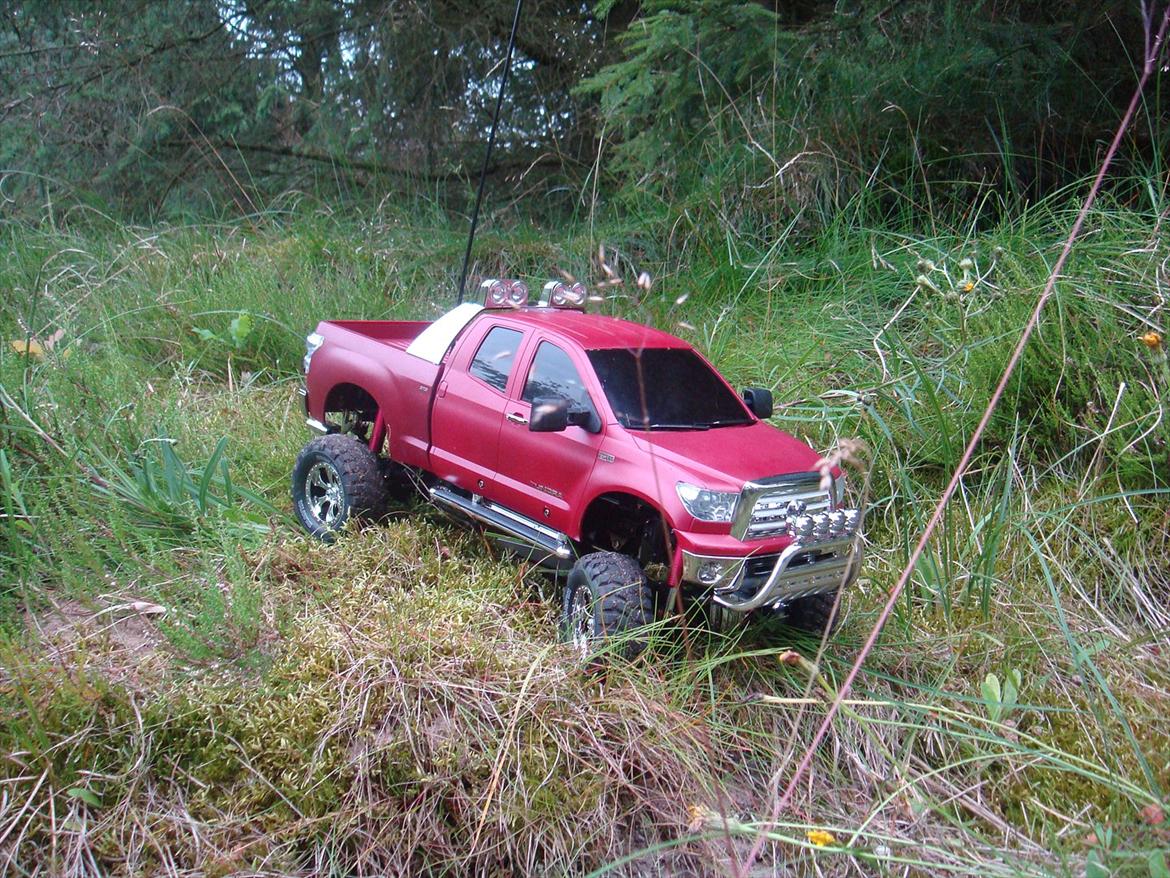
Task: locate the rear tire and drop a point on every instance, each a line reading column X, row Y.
column 606, row 595
column 336, row 478
column 814, row 613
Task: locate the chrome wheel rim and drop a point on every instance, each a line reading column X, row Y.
column 581, row 621
column 323, row 494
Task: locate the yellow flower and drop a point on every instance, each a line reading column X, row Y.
column 820, row 837
column 1152, row 340
column 968, row 286
column 697, row 815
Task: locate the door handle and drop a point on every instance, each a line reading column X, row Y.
column 516, row 418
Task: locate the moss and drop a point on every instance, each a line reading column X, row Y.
column 1081, row 735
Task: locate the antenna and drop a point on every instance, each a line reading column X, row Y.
column 488, row 155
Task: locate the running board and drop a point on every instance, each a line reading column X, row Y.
column 505, row 520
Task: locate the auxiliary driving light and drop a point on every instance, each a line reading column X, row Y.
column 499, row 293
column 802, row 527
column 824, row 525
column 562, row 295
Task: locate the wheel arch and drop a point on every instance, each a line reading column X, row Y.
column 339, row 375
column 347, row 396
column 618, row 511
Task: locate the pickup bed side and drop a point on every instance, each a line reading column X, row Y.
column 371, row 356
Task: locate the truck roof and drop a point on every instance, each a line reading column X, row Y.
column 593, row 331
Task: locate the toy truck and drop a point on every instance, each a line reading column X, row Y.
column 595, row 446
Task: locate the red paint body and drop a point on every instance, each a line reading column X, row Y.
column 444, row 420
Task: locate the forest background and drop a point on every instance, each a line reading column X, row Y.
column 854, row 203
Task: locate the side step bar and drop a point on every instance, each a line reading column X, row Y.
column 506, row 521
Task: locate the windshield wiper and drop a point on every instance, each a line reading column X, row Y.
column 727, row 422
column 642, row 425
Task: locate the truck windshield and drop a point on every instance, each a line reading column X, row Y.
column 665, row 389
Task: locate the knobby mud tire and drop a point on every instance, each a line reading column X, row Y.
column 813, row 613
column 359, row 476
column 621, row 600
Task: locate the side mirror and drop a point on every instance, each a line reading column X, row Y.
column 759, row 400
column 554, row 414
column 550, row 414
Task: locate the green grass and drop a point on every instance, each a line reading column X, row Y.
column 189, row 684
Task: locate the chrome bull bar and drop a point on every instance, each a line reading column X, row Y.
column 799, row 570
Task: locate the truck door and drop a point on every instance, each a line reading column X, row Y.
column 469, row 407
column 542, row 475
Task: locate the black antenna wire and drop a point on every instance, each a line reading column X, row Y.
column 488, row 155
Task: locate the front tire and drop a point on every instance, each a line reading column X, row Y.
column 336, row 478
column 815, row 613
column 718, row 619
column 606, row 595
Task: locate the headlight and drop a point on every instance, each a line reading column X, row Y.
column 312, row 342
column 707, row 505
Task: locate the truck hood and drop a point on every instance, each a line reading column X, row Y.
column 726, row 457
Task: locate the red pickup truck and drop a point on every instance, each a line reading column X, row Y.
column 599, row 447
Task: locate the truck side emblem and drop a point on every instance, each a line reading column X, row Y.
column 605, row 457
column 795, row 507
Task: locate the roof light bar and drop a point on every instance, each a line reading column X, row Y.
column 500, row 293
column 562, row 295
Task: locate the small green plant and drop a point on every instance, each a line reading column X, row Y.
column 172, row 498
column 1000, row 698
column 1096, row 863
column 239, row 332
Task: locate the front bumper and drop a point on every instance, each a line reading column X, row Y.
column 744, row 584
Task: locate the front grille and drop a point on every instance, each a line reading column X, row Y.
column 775, row 505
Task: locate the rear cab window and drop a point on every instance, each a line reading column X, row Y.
column 496, row 356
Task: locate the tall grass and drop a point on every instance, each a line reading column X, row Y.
column 189, row 685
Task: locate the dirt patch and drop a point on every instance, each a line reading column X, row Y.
column 119, row 640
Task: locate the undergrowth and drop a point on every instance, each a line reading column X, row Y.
column 190, row 686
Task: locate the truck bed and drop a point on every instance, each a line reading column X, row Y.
column 371, row 354
column 393, row 333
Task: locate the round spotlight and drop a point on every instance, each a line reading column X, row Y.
column 801, row 526
column 517, row 293
column 562, row 295
column 504, row 293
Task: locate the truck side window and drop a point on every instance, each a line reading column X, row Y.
column 553, row 374
column 493, row 361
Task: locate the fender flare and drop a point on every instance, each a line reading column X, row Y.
column 597, row 493
column 326, row 374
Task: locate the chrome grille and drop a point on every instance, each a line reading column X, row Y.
column 767, row 507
